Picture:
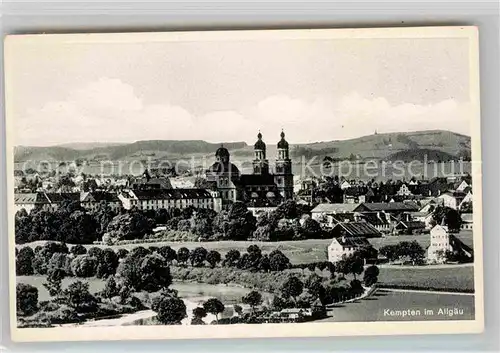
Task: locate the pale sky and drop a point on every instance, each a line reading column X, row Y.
column 316, row 90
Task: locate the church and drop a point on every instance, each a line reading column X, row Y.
column 261, row 188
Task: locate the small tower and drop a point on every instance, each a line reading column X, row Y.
column 260, row 163
column 283, row 176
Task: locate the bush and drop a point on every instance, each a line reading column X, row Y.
column 26, row 299
column 24, row 261
column 84, row 266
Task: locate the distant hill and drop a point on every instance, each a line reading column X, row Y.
column 444, row 145
column 89, row 145
column 391, row 145
column 136, row 150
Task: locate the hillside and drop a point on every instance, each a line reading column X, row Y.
column 442, row 145
column 392, row 145
column 136, row 150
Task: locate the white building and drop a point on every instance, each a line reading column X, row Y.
column 153, row 199
column 345, row 246
column 440, row 242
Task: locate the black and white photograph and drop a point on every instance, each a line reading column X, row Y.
column 275, row 182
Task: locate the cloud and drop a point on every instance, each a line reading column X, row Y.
column 110, row 110
column 353, row 115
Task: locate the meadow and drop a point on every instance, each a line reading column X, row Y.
column 452, row 278
column 298, row 251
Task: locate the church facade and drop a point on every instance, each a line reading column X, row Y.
column 262, row 187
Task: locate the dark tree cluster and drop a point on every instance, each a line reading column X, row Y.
column 404, row 251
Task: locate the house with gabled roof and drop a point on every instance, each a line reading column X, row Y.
column 345, row 246
column 388, row 207
column 356, row 229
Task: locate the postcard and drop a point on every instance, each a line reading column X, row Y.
column 240, row 184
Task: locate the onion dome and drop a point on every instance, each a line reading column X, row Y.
column 260, row 145
column 222, row 152
column 282, row 143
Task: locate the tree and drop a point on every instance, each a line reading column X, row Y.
column 236, row 224
column 355, row 264
column 264, row 264
column 168, row 253
column 84, row 266
column 198, row 256
column 154, row 273
column 238, row 309
column 389, row 251
column 232, row 257
column 253, row 299
column 44, row 254
column 127, row 226
column 311, row 229
column 370, row 276
column 279, row 303
column 214, row 306
column 107, row 264
column 449, row 216
column 213, row 258
column 24, row 260
column 26, row 299
column 110, row 288
column 60, row 261
column 278, row 261
column 292, row 287
column 183, row 255
column 78, row 250
column 198, row 314
column 77, row 296
column 170, row 310
column 96, row 252
column 54, row 279
column 356, row 287
column 121, row 253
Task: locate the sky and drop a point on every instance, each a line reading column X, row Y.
column 221, row 91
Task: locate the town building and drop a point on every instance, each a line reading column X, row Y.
column 345, row 246
column 356, row 229
column 440, row 243
column 467, row 221
column 154, row 199
column 259, row 189
column 388, row 207
column 92, row 199
column 321, row 211
column 30, row 201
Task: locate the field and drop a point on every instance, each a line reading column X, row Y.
column 449, row 278
column 374, row 308
column 299, row 251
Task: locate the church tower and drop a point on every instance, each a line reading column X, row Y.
column 260, row 163
column 283, row 176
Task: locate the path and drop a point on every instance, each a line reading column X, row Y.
column 424, row 291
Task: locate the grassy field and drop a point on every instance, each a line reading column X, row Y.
column 453, row 278
column 373, row 308
column 299, row 251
